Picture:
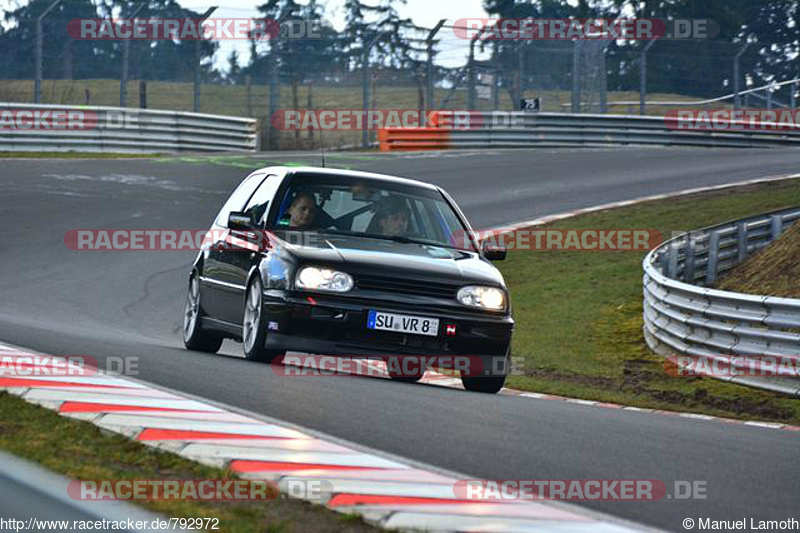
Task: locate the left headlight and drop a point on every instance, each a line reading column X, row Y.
column 323, row 279
column 490, row 298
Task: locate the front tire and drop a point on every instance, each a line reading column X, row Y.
column 194, row 336
column 488, row 383
column 254, row 326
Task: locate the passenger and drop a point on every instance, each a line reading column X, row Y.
column 393, row 218
column 303, row 211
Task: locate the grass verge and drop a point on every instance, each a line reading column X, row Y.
column 772, row 271
column 579, row 314
column 80, row 450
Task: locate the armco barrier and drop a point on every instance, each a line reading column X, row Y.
column 130, row 130
column 683, row 316
column 393, row 139
column 552, row 130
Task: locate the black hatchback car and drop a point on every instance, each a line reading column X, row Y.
column 355, row 264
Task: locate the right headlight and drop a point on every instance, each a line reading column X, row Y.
column 323, row 279
column 490, row 298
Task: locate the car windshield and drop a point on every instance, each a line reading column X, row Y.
column 370, row 208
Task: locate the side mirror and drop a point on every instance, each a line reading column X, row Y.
column 240, row 221
column 493, row 252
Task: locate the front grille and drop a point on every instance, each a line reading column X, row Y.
column 406, row 286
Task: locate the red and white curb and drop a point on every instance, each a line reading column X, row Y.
column 390, row 492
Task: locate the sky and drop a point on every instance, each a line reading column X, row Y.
column 424, row 13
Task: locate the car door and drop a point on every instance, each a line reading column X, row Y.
column 241, row 259
column 217, row 283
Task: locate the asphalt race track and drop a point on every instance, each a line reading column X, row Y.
column 129, row 304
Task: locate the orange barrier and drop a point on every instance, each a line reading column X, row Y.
column 395, row 139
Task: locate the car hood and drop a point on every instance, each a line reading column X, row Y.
column 379, row 257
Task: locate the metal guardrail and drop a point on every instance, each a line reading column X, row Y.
column 119, row 129
column 683, row 316
column 552, row 130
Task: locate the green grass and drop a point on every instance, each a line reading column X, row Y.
column 772, row 271
column 579, row 314
column 80, row 450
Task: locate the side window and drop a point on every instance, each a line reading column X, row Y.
column 237, row 200
column 258, row 206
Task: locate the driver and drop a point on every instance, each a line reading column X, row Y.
column 393, row 217
column 303, row 211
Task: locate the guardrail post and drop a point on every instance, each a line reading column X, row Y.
column 672, row 262
column 776, row 226
column 663, row 262
column 793, row 96
column 741, row 240
column 713, row 258
column 688, row 260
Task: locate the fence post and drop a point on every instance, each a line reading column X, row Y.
column 126, row 52
column 197, row 44
column 471, row 74
column 643, row 78
column 576, row 77
column 713, row 258
column 429, row 73
column 365, row 81
column 249, row 92
column 274, row 95
column 521, row 69
column 736, row 76
column 793, row 96
column 143, row 94
column 37, row 84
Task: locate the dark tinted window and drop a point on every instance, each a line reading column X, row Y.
column 258, row 205
column 239, row 197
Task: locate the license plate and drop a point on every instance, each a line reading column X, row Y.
column 403, row 323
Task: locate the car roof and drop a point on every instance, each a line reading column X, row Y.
column 319, row 171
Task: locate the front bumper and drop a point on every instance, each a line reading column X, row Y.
column 336, row 325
